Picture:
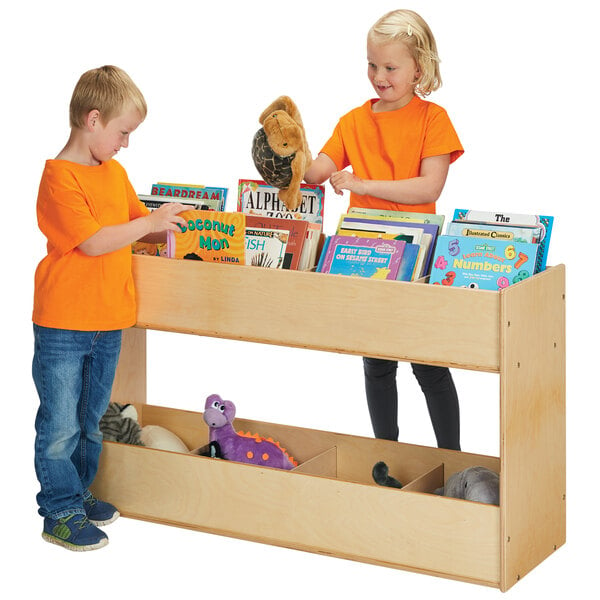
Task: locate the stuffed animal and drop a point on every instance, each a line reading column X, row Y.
column 478, row 484
column 239, row 446
column 382, row 477
column 280, row 151
column 120, row 424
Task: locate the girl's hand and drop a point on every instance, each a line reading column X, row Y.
column 165, row 218
column 345, row 180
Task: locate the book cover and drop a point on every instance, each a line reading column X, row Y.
column 363, row 257
column 154, row 202
column 297, row 236
column 212, row 236
column 529, row 235
column 265, row 247
column 400, row 215
column 213, row 197
column 407, row 269
column 480, row 263
column 256, row 197
column 544, row 222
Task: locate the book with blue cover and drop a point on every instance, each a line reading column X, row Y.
column 473, row 262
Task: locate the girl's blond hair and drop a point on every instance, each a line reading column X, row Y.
column 107, row 89
column 410, row 28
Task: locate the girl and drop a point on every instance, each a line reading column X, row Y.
column 400, row 148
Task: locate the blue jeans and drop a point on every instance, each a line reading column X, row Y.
column 73, row 372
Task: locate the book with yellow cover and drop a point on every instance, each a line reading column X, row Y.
column 211, row 236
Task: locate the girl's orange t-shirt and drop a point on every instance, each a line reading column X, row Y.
column 73, row 290
column 389, row 146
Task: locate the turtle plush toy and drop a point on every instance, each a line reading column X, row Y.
column 280, row 151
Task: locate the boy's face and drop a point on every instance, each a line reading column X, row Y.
column 393, row 74
column 107, row 139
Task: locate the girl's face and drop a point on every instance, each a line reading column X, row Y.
column 393, row 74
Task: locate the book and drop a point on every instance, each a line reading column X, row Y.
column 481, row 263
column 400, row 215
column 314, row 236
column 529, row 235
column 154, row 202
column 297, row 230
column 255, row 197
column 364, row 257
column 212, row 236
column 265, row 247
column 213, row 197
column 544, row 222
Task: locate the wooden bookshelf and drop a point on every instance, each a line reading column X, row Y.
column 518, row 333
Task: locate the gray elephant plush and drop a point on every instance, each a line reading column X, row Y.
column 477, row 484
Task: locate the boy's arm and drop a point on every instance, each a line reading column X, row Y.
column 320, row 169
column 114, row 237
column 423, row 189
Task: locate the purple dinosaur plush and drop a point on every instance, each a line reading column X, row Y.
column 239, row 446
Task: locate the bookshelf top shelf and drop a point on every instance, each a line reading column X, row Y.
column 383, row 319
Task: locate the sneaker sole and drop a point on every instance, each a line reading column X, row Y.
column 74, row 547
column 112, row 519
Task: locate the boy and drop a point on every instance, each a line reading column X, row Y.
column 84, row 297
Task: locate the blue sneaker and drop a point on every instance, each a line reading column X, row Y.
column 74, row 532
column 99, row 513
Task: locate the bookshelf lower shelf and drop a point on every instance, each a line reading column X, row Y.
column 518, row 333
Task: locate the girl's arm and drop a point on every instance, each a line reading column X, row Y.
column 113, row 237
column 320, row 169
column 423, row 189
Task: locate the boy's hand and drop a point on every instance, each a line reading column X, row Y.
column 165, row 218
column 344, row 180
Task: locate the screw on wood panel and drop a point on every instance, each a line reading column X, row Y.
column 518, row 577
column 555, row 546
column 508, row 324
column 518, row 365
column 508, row 539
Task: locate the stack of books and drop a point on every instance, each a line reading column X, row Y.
column 491, row 250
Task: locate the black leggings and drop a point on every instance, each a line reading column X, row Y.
column 438, row 388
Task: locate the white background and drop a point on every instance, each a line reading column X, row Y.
column 519, row 79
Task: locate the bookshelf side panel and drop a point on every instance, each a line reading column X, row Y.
column 532, row 404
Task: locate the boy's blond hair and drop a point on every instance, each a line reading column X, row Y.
column 410, row 28
column 107, row 89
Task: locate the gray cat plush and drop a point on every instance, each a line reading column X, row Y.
column 477, row 484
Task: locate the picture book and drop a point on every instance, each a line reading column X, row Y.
column 314, row 239
column 265, row 247
column 407, row 270
column 544, row 222
column 256, row 197
column 297, row 230
column 212, row 236
column 530, row 235
column 213, row 197
column 400, row 215
column 410, row 257
column 481, row 263
column 154, row 202
column 363, row 257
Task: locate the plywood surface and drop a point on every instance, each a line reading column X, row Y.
column 352, row 315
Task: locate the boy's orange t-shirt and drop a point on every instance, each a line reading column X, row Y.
column 73, row 290
column 390, row 146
